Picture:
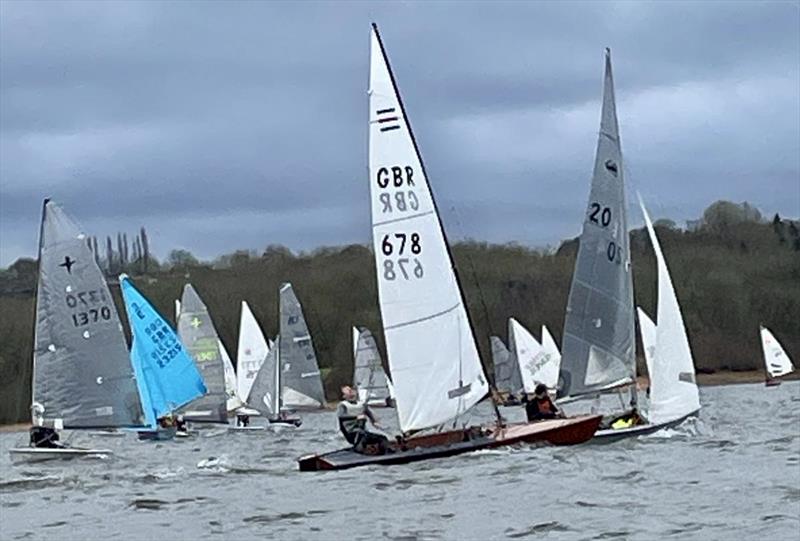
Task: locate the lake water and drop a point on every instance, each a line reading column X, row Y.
column 732, row 474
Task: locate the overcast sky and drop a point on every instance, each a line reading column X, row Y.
column 221, row 126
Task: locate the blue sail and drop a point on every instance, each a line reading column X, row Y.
column 165, row 372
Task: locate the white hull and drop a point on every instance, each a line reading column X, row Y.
column 39, row 454
column 611, row 434
column 247, row 429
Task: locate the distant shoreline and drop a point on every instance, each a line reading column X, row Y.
column 717, row 378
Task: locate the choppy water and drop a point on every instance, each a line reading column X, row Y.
column 733, row 474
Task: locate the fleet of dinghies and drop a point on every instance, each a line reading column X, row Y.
column 85, row 378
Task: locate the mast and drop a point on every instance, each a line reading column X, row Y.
column 36, row 311
column 453, row 267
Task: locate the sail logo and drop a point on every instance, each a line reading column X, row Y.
column 611, row 167
column 388, row 119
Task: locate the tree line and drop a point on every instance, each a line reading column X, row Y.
column 732, row 271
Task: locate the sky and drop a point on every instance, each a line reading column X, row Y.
column 224, row 126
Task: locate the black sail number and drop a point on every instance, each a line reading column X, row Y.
column 398, row 249
column 614, row 252
column 599, row 214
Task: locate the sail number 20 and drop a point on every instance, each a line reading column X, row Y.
column 400, row 244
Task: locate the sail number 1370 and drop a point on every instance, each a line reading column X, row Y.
column 394, row 247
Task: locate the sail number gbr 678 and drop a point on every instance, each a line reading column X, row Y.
column 397, row 196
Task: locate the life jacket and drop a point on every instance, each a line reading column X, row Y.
column 544, row 405
column 625, row 422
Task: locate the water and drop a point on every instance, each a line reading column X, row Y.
column 732, row 474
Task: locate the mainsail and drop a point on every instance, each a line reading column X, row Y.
column 265, row 395
column 535, row 365
column 507, row 378
column 301, row 378
column 253, row 349
column 200, row 338
column 165, row 372
column 777, row 361
column 82, row 373
column 436, row 370
column 599, row 342
column 368, row 376
column 647, row 329
column 673, row 391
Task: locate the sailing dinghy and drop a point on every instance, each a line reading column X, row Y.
column 776, row 361
column 535, row 364
column 166, row 375
column 436, row 370
column 674, row 396
column 301, row 378
column 266, row 392
column 507, row 377
column 369, row 379
column 83, row 378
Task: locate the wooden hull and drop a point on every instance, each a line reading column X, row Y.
column 611, row 435
column 772, row 382
column 39, row 454
column 455, row 442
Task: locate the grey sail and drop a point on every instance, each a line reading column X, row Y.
column 301, row 378
column 82, row 372
column 199, row 337
column 599, row 339
column 507, row 378
column 264, row 394
column 368, row 376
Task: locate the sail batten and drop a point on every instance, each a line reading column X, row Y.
column 82, row 373
column 436, row 370
column 598, row 349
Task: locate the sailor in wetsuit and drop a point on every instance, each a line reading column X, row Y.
column 541, row 407
column 45, row 437
column 353, row 416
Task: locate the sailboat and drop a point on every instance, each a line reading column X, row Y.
column 251, row 354
column 433, row 357
column 200, row 338
column 166, row 375
column 368, row 376
column 302, row 380
column 507, row 377
column 231, row 386
column 776, row 361
column 535, row 365
column 82, row 374
column 265, row 394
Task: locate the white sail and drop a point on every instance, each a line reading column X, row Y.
column 551, row 349
column 648, row 331
column 673, row 390
column 775, row 357
column 251, row 352
column 535, row 365
column 230, row 378
column 436, row 370
column 598, row 349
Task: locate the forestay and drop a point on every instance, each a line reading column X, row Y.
column 265, row 395
column 368, row 375
column 252, row 351
column 165, row 372
column 302, row 381
column 535, row 365
column 647, row 329
column 673, row 391
column 199, row 336
column 436, row 371
column 82, row 373
column 598, row 350
column 506, row 371
column 777, row 361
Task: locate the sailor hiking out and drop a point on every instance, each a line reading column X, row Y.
column 353, row 416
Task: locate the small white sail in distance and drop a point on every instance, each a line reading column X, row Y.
column 673, row 390
column 552, row 354
column 528, row 354
column 251, row 352
column 433, row 357
column 777, row 361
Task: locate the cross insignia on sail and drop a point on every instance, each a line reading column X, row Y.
column 67, row 264
column 388, row 119
column 611, row 166
column 196, row 322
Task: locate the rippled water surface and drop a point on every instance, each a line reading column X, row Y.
column 732, row 474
